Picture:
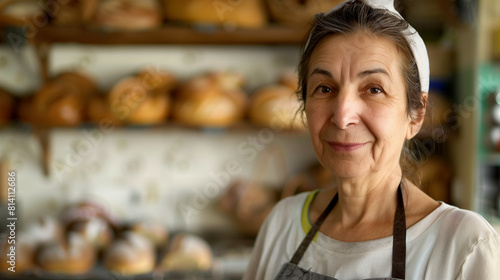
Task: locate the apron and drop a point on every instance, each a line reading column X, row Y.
column 291, row 270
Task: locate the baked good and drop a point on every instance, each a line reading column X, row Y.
column 70, row 255
column 62, row 107
column 87, row 210
column 220, row 110
column 298, row 12
column 276, row 106
column 24, row 254
column 6, row 107
column 63, row 100
column 86, row 86
column 99, row 110
column 187, row 252
column 95, row 230
column 248, row 13
column 15, row 12
column 289, row 79
column 157, row 80
column 128, row 14
column 131, row 101
column 43, row 230
column 131, row 254
column 213, row 100
column 93, row 221
column 72, row 12
column 25, row 110
column 154, row 231
column 140, row 99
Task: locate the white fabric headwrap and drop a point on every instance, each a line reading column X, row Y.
column 412, row 36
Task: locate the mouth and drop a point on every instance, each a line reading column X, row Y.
column 345, row 147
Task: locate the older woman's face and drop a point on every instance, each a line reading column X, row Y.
column 356, row 104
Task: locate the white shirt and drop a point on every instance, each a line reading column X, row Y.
column 449, row 243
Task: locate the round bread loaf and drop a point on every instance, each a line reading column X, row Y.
column 247, row 13
column 276, row 106
column 128, row 14
column 187, row 253
column 298, row 12
column 132, row 101
column 212, row 100
column 131, row 254
column 72, row 255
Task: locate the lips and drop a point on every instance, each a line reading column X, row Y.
column 345, row 147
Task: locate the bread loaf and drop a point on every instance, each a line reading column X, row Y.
column 212, row 100
column 131, row 254
column 247, row 13
column 298, row 12
column 128, row 14
column 276, row 106
column 187, row 253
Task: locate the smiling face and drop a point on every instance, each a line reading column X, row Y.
column 356, row 104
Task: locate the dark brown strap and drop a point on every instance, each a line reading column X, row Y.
column 312, row 232
column 399, row 239
column 398, row 235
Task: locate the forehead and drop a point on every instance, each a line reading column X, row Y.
column 357, row 50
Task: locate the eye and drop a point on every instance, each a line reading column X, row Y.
column 323, row 90
column 375, row 90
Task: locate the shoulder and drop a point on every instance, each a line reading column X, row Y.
column 275, row 238
column 457, row 244
column 468, row 235
column 466, row 224
column 288, row 208
column 476, row 243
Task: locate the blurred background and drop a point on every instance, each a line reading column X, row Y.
column 151, row 138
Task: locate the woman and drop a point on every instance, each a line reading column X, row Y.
column 364, row 79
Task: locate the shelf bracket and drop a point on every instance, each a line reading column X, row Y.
column 42, row 134
column 42, row 51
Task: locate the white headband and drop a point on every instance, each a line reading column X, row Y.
column 416, row 43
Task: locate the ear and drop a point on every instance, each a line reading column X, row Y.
column 417, row 120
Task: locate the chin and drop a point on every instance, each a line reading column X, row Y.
column 344, row 170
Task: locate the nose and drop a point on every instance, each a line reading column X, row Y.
column 345, row 109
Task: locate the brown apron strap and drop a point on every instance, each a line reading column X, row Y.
column 398, row 235
column 312, row 232
column 399, row 239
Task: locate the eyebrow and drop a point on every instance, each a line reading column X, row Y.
column 321, row 72
column 360, row 75
column 373, row 71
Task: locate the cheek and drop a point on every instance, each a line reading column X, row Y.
column 387, row 125
column 316, row 117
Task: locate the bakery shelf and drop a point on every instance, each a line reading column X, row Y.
column 173, row 34
column 42, row 132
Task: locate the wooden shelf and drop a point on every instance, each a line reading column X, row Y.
column 270, row 35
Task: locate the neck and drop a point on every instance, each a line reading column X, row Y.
column 367, row 200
